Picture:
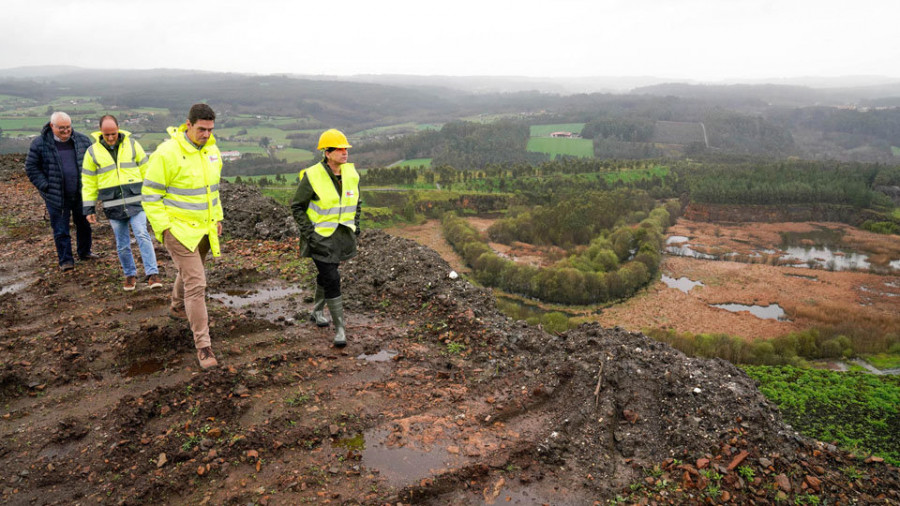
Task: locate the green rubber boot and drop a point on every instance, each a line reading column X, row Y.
column 318, row 312
column 336, row 308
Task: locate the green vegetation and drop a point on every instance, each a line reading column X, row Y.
column 782, row 183
column 857, row 411
column 615, row 265
column 546, row 130
column 790, row 349
column 885, row 360
column 556, row 147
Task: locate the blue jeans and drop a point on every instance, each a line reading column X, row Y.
column 59, row 222
column 138, row 224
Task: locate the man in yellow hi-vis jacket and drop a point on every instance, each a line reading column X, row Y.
column 112, row 173
column 181, row 198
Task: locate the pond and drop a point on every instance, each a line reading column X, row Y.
column 771, row 312
column 684, row 284
column 819, row 249
column 554, row 321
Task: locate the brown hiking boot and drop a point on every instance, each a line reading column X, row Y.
column 206, row 358
column 178, row 314
column 153, row 281
column 130, row 283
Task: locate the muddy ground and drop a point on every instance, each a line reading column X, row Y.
column 438, row 399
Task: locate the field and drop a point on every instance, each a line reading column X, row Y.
column 631, row 175
column 414, row 162
column 582, row 148
column 895, row 150
column 29, row 123
column 546, row 130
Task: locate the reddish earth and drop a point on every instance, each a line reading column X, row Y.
column 438, row 399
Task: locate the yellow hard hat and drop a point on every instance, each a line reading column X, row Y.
column 333, row 139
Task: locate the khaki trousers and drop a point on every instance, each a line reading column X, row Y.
column 189, row 290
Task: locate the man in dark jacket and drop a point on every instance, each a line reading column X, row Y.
column 54, row 167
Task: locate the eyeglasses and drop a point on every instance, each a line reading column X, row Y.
column 63, row 128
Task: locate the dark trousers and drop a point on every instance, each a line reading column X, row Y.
column 59, row 222
column 328, row 278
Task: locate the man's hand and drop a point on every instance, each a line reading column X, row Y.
column 92, row 219
column 218, row 228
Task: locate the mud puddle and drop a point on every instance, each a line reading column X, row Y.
column 14, row 283
column 398, row 465
column 381, row 356
column 144, row 368
column 271, row 301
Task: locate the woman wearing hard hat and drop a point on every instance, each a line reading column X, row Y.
column 326, row 207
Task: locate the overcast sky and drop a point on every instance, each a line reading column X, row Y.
column 705, row 40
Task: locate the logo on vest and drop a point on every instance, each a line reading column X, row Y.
column 213, row 158
column 349, row 193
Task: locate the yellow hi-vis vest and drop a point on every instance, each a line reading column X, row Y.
column 115, row 183
column 181, row 190
column 332, row 210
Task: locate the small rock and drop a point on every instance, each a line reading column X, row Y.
column 737, row 460
column 702, row 463
column 453, row 275
column 161, row 460
column 765, row 462
column 813, row 482
column 783, row 482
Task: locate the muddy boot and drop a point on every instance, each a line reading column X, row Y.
column 206, row 358
column 336, row 308
column 318, row 312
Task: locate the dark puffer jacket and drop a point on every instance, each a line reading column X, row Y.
column 43, row 165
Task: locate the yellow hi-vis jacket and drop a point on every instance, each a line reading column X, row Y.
column 181, row 190
column 332, row 210
column 116, row 183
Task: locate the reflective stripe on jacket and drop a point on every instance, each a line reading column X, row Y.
column 115, row 182
column 181, row 190
column 331, row 209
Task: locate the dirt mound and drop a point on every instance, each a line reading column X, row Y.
column 251, row 215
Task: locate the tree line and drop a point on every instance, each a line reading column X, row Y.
column 615, row 265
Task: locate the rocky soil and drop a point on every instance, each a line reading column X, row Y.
column 438, row 399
